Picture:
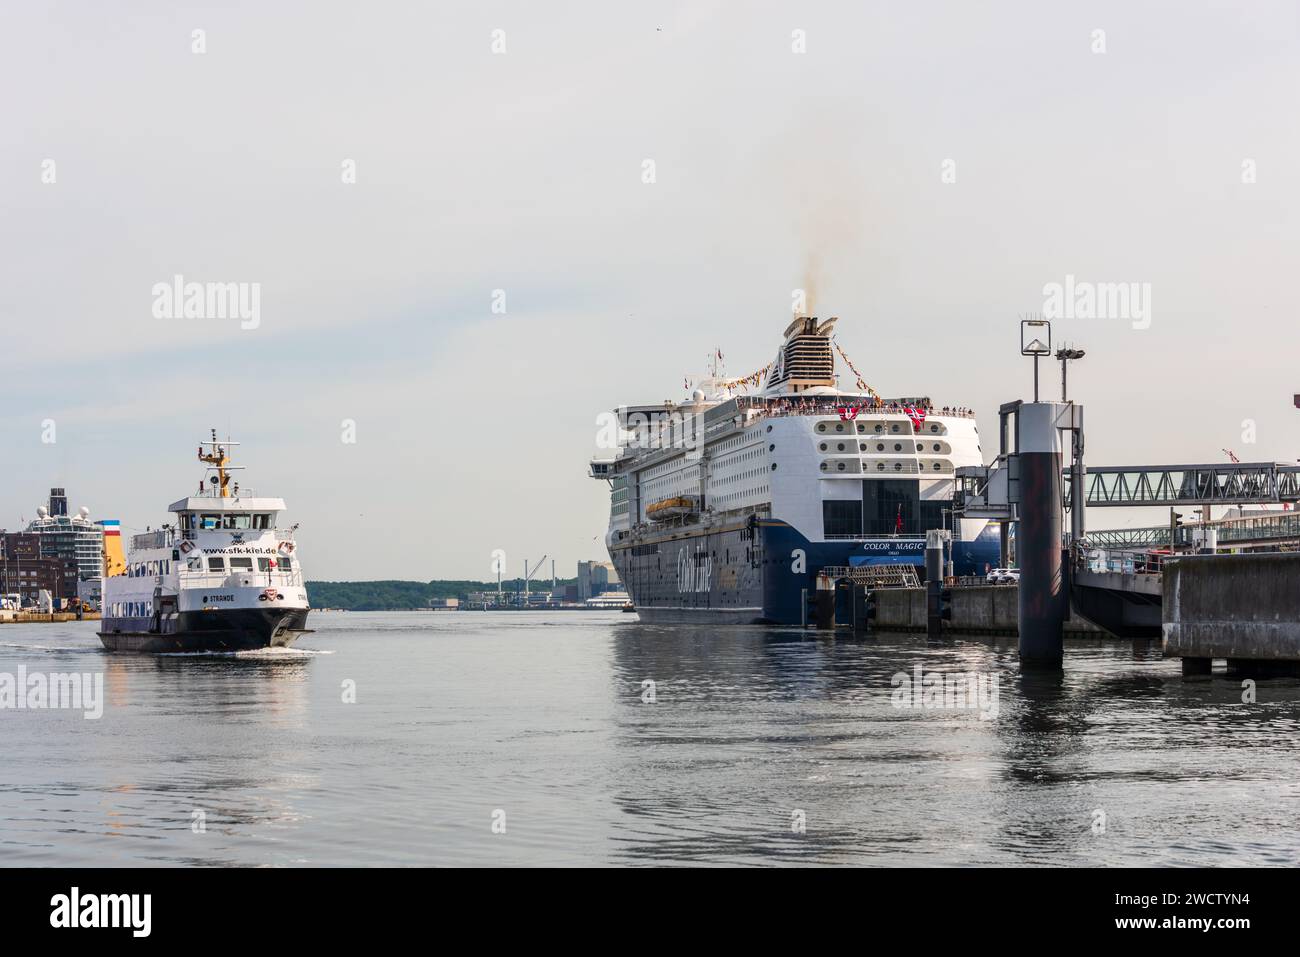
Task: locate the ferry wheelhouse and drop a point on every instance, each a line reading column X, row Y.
column 223, row 576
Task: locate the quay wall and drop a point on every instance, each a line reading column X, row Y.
column 978, row 609
column 1244, row 606
column 29, row 617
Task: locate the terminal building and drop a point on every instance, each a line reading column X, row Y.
column 84, row 551
column 25, row 572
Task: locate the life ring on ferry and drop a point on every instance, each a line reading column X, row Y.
column 284, row 548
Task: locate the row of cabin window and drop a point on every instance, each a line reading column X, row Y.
column 218, row 564
column 215, row 564
column 233, row 520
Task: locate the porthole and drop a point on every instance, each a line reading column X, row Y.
column 772, row 448
column 821, row 426
column 862, row 446
column 933, row 428
column 894, row 427
column 898, row 446
column 862, row 427
column 839, row 446
column 880, row 466
column 880, row 446
column 840, row 466
column 839, row 427
column 822, row 446
column 879, row 427
column 824, row 466
column 769, row 428
column 920, row 447
column 936, row 466
column 773, row 466
column 936, row 446
column 898, row 466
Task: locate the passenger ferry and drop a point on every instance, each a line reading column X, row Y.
column 727, row 505
column 222, row 577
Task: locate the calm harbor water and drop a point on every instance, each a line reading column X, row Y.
column 461, row 716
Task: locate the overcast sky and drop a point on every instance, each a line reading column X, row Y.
column 523, row 171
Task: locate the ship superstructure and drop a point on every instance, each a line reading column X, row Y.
column 222, row 577
column 725, row 507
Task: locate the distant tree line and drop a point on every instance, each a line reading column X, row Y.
column 408, row 596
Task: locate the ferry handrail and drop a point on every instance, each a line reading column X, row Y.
column 190, row 579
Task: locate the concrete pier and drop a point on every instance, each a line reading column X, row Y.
column 1245, row 608
column 976, row 610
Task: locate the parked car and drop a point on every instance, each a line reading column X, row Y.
column 1003, row 576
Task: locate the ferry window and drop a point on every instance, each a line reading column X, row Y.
column 185, row 519
column 263, row 564
column 236, row 521
column 842, row 517
column 286, row 563
column 216, row 564
column 210, row 521
column 262, row 521
column 241, row 564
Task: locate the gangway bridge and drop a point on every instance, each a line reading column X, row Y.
column 990, row 491
column 1272, row 529
column 1231, row 483
column 1126, row 598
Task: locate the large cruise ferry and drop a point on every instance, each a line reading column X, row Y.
column 222, row 577
column 724, row 507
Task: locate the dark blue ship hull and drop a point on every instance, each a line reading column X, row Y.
column 745, row 572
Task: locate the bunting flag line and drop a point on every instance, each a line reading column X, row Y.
column 753, row 379
column 862, row 384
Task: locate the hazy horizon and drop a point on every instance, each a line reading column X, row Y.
column 925, row 171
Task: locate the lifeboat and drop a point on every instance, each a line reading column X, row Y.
column 672, row 508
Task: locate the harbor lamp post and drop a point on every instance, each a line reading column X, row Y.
column 1065, row 355
column 1036, row 341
